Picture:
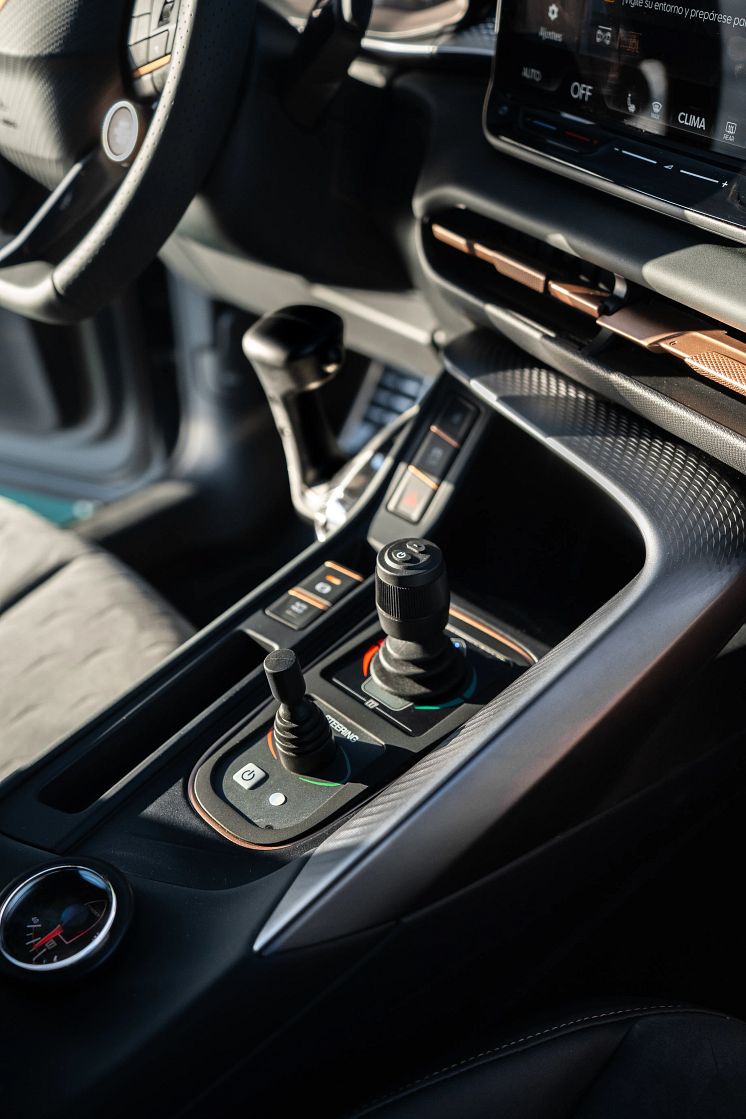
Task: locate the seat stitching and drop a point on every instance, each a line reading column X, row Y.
column 34, row 585
column 607, row 1014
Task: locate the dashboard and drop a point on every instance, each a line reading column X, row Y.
column 645, row 99
column 573, row 182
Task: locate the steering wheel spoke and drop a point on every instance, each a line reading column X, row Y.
column 107, row 215
column 66, row 212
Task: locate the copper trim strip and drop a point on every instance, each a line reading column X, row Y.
column 446, row 438
column 590, row 301
column 512, row 268
column 424, row 478
column 151, row 67
column 649, row 325
column 724, row 371
column 714, row 355
column 453, row 240
column 482, row 627
column 309, row 599
column 706, row 341
column 344, row 570
column 656, row 326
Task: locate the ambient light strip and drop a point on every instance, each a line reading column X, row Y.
column 149, row 67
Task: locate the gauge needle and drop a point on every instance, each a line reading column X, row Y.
column 45, row 939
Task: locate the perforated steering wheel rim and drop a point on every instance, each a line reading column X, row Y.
column 188, row 125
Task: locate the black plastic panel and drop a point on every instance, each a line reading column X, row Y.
column 509, row 773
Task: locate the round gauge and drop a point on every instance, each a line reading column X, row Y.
column 63, row 919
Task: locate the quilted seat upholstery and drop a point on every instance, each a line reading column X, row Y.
column 77, row 629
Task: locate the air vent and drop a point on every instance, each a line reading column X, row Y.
column 494, row 265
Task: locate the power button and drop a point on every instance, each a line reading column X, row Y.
column 401, row 557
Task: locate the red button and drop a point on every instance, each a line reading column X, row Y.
column 411, row 499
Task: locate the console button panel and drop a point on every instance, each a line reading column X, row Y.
column 295, row 612
column 432, row 460
column 331, row 583
column 412, row 496
column 305, row 603
column 455, row 420
column 435, row 456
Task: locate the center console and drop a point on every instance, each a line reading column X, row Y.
column 367, row 711
column 642, row 100
column 426, row 731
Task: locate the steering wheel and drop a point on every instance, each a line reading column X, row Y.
column 111, row 113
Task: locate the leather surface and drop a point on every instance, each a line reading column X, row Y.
column 649, row 1063
column 207, row 62
column 77, row 629
column 189, row 123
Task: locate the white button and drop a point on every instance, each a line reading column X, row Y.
column 277, row 800
column 249, row 776
column 120, row 131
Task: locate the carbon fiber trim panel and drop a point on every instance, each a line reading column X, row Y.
column 682, row 607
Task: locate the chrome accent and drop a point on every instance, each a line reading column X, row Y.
column 90, row 949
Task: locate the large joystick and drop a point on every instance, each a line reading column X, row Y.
column 417, row 661
column 302, row 736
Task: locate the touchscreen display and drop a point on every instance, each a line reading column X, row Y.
column 672, row 70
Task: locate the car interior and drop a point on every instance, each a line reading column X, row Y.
column 372, row 558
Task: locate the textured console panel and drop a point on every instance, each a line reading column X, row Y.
column 686, row 602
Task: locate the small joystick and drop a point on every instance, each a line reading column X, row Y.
column 418, row 660
column 302, row 736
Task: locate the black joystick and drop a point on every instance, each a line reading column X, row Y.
column 417, row 661
column 295, row 352
column 302, row 736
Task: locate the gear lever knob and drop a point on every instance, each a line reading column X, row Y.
column 295, row 350
column 294, row 353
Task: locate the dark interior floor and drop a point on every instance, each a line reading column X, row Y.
column 201, row 584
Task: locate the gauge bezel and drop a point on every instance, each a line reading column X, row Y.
column 92, row 954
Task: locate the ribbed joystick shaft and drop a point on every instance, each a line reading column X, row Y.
column 418, row 660
column 302, row 736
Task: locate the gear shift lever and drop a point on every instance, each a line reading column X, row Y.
column 294, row 352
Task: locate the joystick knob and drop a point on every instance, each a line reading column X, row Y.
column 417, row 661
column 302, row 736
